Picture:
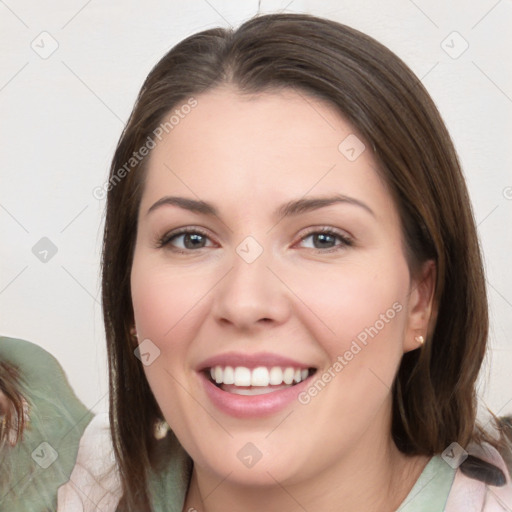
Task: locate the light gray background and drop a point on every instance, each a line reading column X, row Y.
column 61, row 117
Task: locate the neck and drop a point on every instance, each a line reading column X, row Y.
column 372, row 475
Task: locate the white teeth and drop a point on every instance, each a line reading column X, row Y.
column 229, row 375
column 242, row 376
column 259, row 377
column 276, row 376
column 288, row 375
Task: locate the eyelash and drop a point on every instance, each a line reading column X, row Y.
column 167, row 238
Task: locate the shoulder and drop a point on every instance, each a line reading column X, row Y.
column 37, row 368
column 44, row 385
column 25, row 355
column 42, row 459
column 482, row 482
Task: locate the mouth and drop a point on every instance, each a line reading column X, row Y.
column 261, row 380
column 257, row 385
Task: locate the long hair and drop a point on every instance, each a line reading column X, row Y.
column 434, row 400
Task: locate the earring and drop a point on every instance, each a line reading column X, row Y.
column 133, row 331
column 419, row 339
column 161, row 429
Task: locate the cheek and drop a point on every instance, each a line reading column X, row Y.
column 356, row 302
column 364, row 306
column 164, row 299
column 166, row 303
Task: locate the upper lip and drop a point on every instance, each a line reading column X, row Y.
column 267, row 359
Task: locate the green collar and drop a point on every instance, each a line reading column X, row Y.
column 430, row 492
column 169, row 488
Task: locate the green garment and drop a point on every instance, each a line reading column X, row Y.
column 32, row 471
column 168, row 488
column 429, row 493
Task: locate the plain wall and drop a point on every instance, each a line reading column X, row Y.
column 62, row 114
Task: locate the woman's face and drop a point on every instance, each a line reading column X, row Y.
column 272, row 283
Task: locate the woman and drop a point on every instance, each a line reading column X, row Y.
column 293, row 292
column 287, row 108
column 292, row 282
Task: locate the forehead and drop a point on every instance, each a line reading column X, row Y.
column 277, row 144
column 272, row 121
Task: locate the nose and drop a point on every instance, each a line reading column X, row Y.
column 252, row 295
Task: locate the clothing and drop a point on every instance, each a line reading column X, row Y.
column 430, row 491
column 470, row 495
column 439, row 488
column 33, row 469
column 83, row 478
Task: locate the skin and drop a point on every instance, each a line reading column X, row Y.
column 299, row 298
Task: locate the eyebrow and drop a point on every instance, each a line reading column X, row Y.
column 295, row 207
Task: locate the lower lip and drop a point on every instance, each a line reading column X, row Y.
column 243, row 406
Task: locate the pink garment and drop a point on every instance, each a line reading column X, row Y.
column 471, row 495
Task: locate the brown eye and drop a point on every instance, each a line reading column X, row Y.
column 184, row 240
column 326, row 239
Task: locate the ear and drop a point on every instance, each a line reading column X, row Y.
column 421, row 308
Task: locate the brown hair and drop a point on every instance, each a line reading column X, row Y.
column 12, row 417
column 434, row 401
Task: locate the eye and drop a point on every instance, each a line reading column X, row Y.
column 324, row 239
column 189, row 239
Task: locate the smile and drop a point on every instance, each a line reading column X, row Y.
column 256, row 385
column 242, row 380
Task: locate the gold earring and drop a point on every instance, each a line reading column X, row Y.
column 419, row 339
column 133, row 331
